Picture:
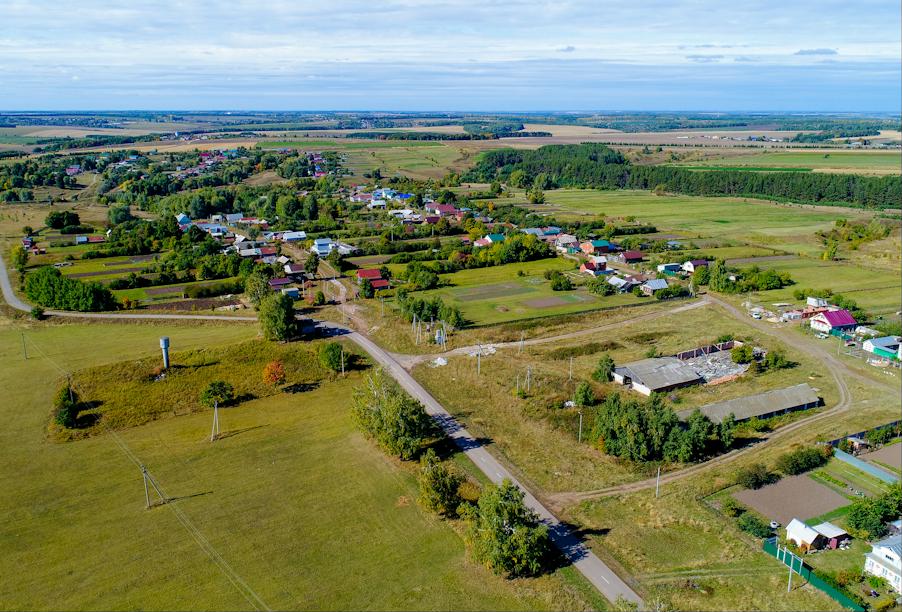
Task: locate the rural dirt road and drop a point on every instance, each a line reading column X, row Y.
column 594, row 569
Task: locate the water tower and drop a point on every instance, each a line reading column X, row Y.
column 164, row 344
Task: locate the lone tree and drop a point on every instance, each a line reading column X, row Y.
column 217, row 392
column 312, row 264
column 604, row 372
column 366, row 288
column 385, row 413
column 330, row 355
column 274, row 373
column 256, row 286
column 276, row 315
column 584, row 395
column 504, row 534
column 439, row 483
column 65, row 407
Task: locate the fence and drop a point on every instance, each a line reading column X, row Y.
column 799, row 567
column 863, row 434
column 865, row 467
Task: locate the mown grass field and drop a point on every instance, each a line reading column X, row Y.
column 301, row 507
column 859, row 162
column 497, row 294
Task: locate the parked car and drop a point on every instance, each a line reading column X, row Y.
column 823, row 336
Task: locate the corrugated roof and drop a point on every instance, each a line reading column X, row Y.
column 799, row 532
column 829, row 530
column 660, row 372
column 839, row 318
column 762, row 403
column 893, row 543
column 656, row 283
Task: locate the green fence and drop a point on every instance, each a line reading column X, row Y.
column 807, row 574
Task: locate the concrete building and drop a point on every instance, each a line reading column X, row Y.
column 762, row 405
column 656, row 375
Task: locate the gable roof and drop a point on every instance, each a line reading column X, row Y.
column 761, row 403
column 633, row 255
column 796, row 529
column 656, row 283
column 495, row 237
column 371, row 274
column 829, row 530
column 659, row 372
column 838, row 318
column 893, row 543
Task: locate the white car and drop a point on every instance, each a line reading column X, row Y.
column 774, row 525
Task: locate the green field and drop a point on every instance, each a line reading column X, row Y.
column 343, row 144
column 497, row 294
column 781, row 226
column 862, row 162
column 293, row 502
column 418, row 163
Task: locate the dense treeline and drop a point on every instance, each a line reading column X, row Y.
column 429, row 310
column 47, row 287
column 433, row 136
column 597, row 166
column 649, row 430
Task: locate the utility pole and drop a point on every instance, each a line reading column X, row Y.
column 571, row 370
column 658, row 482
column 528, row 378
column 521, row 342
column 478, row 359
column 518, row 384
column 69, row 386
column 24, row 346
column 148, row 478
column 382, row 299
column 342, row 361
column 580, row 436
column 214, row 433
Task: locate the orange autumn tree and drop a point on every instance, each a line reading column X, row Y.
column 274, row 373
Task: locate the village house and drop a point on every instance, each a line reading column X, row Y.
column 650, row 286
column 566, row 243
column 628, row 257
column 833, row 321
column 803, row 536
column 371, row 274
column 885, row 561
column 595, row 247
column 596, row 266
column 669, row 268
column 322, row 246
column 694, row 264
column 889, row 347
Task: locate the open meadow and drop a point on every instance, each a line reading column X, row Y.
column 292, row 507
column 858, row 162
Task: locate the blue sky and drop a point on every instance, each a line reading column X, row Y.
column 822, row 55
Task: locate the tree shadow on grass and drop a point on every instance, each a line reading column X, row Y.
column 300, row 387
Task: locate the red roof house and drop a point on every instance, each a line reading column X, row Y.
column 833, row 321
column 379, row 283
column 372, row 274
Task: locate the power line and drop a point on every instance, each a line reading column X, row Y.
column 237, row 581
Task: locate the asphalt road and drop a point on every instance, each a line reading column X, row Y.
column 583, row 559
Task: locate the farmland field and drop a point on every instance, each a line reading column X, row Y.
column 338, row 516
column 859, row 162
column 497, row 294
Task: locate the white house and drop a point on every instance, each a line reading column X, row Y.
column 294, row 236
column 692, row 265
column 832, row 321
column 885, row 561
column 816, row 302
column 376, row 204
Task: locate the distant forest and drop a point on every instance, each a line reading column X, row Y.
column 600, row 167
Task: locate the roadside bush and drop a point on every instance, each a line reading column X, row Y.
column 504, row 534
column 213, row 289
column 319, row 299
column 755, row 476
column 440, row 484
column 584, row 395
column 560, row 282
column 49, row 288
column 803, row 459
column 37, row 313
column 330, row 355
column 753, row 525
column 276, row 315
column 384, row 412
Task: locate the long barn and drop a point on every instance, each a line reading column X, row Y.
column 762, row 405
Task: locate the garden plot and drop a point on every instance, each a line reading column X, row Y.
column 887, row 456
column 792, row 497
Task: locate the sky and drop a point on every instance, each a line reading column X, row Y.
column 482, row 55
